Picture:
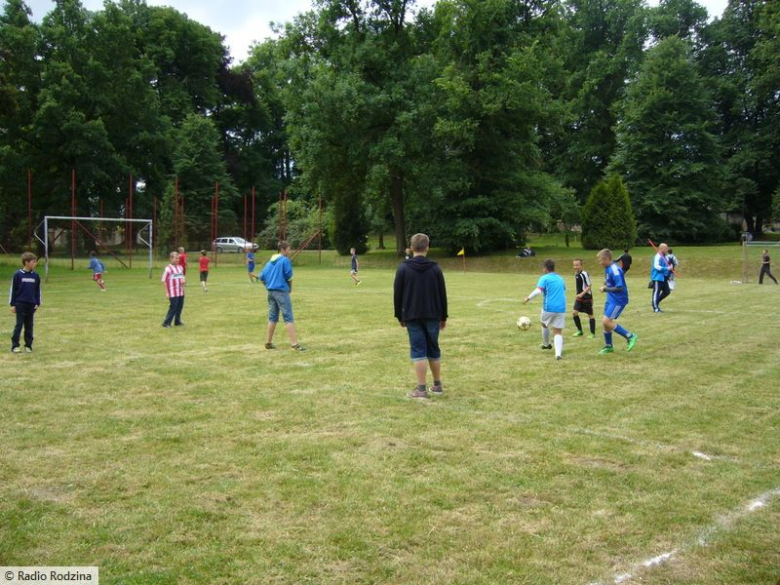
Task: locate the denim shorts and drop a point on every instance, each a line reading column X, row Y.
column 424, row 339
column 279, row 301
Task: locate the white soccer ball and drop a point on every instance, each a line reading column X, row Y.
column 523, row 323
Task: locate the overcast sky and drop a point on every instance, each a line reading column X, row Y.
column 243, row 22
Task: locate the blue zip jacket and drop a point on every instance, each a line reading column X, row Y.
column 25, row 288
column 277, row 273
column 97, row 266
column 660, row 268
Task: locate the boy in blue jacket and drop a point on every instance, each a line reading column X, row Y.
column 98, row 269
column 277, row 276
column 659, row 275
column 25, row 299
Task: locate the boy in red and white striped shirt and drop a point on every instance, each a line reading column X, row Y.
column 174, row 280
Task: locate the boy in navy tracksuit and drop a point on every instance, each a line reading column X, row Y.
column 25, row 299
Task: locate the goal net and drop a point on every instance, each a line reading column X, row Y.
column 752, row 257
column 47, row 233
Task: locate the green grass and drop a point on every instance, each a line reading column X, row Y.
column 193, row 455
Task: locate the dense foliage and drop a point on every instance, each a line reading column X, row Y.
column 474, row 121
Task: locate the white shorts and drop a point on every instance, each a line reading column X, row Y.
column 556, row 320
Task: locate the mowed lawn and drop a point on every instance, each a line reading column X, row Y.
column 194, row 455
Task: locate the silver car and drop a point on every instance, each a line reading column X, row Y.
column 232, row 244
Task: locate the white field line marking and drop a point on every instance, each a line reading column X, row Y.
column 706, row 536
column 483, row 304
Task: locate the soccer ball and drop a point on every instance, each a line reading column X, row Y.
column 523, row 323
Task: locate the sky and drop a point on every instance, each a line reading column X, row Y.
column 244, row 22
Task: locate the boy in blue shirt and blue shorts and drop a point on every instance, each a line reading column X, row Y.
column 553, row 316
column 617, row 300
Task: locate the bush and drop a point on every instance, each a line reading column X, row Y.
column 607, row 218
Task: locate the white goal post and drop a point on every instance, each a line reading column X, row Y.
column 748, row 242
column 146, row 239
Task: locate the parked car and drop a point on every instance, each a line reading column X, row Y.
column 232, row 244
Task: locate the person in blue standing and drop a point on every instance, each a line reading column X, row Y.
column 98, row 270
column 277, row 276
column 659, row 278
column 617, row 300
column 249, row 260
column 553, row 315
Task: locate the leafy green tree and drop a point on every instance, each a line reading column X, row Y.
column 199, row 166
column 739, row 67
column 20, row 73
column 607, row 217
column 356, row 109
column 667, row 151
column 493, row 95
column 602, row 48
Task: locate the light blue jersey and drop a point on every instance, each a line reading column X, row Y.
column 614, row 278
column 554, row 289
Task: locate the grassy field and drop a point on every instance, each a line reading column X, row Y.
column 194, row 455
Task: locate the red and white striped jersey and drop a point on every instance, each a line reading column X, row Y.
column 173, row 277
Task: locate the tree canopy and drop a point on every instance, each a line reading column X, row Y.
column 474, row 120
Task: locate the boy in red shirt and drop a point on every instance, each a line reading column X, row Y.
column 203, row 265
column 183, row 261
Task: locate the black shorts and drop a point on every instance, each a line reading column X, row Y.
column 204, row 276
column 584, row 306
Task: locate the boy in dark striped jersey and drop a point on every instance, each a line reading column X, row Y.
column 583, row 302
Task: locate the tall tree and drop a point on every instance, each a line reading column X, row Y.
column 494, row 95
column 667, row 151
column 199, row 166
column 356, row 109
column 603, row 48
column 20, row 75
column 739, row 66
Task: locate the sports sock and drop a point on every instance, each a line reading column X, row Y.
column 608, row 337
column 545, row 336
column 578, row 322
column 593, row 326
column 437, row 382
column 558, row 339
column 421, row 388
column 622, row 332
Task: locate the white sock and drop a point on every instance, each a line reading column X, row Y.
column 545, row 336
column 558, row 340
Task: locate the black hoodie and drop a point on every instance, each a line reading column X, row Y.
column 419, row 291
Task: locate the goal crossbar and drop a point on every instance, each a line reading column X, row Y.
column 148, row 224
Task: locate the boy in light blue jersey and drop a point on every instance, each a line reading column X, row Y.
column 553, row 287
column 617, row 299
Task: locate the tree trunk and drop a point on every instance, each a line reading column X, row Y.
column 381, row 245
column 397, row 196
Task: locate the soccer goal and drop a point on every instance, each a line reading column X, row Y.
column 750, row 266
column 144, row 235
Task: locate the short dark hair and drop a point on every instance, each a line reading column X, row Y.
column 283, row 245
column 549, row 265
